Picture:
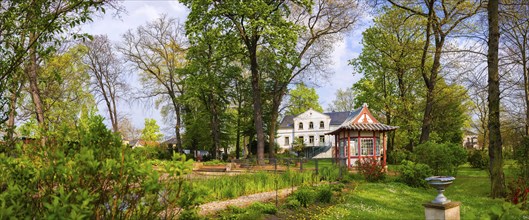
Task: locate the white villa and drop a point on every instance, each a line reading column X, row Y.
column 311, row 127
column 348, row 136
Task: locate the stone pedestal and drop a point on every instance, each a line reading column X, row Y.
column 448, row 211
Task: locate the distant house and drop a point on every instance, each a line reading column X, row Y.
column 360, row 136
column 470, row 140
column 141, row 143
column 310, row 127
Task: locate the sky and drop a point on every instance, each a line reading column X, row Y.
column 140, row 12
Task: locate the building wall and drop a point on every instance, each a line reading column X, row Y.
column 306, row 131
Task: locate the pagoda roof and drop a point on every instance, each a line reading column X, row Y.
column 361, row 119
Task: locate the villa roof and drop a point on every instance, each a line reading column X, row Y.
column 337, row 118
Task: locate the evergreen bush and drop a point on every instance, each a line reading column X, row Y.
column 444, row 158
column 414, row 174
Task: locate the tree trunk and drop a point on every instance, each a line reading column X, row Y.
column 495, row 143
column 178, row 137
column 257, row 107
column 276, row 101
column 114, row 112
column 34, row 89
column 215, row 125
column 238, row 138
column 526, row 91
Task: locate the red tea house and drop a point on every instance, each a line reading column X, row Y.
column 361, row 136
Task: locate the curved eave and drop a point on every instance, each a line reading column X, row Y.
column 364, row 127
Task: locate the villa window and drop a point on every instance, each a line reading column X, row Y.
column 311, row 125
column 287, row 141
column 322, row 125
column 300, row 138
column 300, row 127
column 322, row 139
column 311, row 139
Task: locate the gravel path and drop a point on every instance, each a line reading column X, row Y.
column 212, row 207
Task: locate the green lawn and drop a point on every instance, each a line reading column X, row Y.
column 392, row 200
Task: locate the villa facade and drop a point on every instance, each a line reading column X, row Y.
column 310, row 127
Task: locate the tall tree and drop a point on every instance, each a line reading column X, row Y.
column 324, row 23
column 29, row 30
column 344, row 101
column 211, row 71
column 151, row 131
column 301, row 99
column 107, row 75
column 390, row 64
column 158, row 51
column 259, row 25
column 515, row 26
column 497, row 178
column 444, row 17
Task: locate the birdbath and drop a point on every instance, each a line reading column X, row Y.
column 440, row 183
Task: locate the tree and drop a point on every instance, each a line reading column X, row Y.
column 127, row 130
column 390, row 63
column 344, row 101
column 158, row 51
column 259, row 25
column 321, row 26
column 210, row 74
column 30, row 31
column 151, row 131
column 497, row 178
column 302, row 99
column 65, row 92
column 515, row 26
column 107, row 75
column 443, row 19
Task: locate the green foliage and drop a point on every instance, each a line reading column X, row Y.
column 214, row 162
column 305, row 196
column 414, row 174
column 292, row 203
column 58, row 181
column 521, row 154
column 398, row 155
column 303, row 98
column 444, row 159
column 324, row 194
column 478, row 159
column 518, row 193
column 371, row 169
column 151, row 131
column 266, row 208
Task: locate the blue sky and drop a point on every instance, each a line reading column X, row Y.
column 141, row 12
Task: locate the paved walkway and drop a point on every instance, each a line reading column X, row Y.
column 212, row 207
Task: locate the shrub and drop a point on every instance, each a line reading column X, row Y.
column 414, row 174
column 521, row 155
column 292, row 203
column 518, row 191
column 398, row 155
column 371, row 169
column 478, row 159
column 444, row 159
column 58, row 181
column 305, row 196
column 266, row 208
column 324, row 194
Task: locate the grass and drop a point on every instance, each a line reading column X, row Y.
column 393, row 200
column 228, row 187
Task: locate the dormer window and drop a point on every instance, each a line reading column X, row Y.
column 311, row 125
column 322, row 125
column 300, row 127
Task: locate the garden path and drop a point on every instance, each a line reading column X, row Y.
column 212, row 207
